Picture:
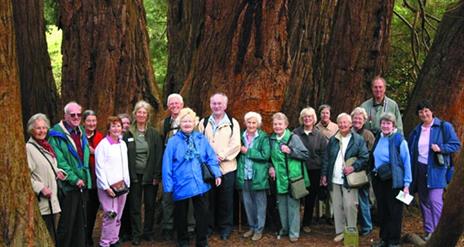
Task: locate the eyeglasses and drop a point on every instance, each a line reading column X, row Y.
column 75, row 115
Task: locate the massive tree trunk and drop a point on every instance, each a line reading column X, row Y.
column 442, row 82
column 269, row 56
column 38, row 89
column 20, row 220
column 106, row 63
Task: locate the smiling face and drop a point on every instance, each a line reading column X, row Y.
column 40, row 129
column 115, row 129
column 378, row 89
column 73, row 116
column 218, row 105
column 187, row 124
column 386, row 127
column 358, row 121
column 344, row 125
column 279, row 126
column 308, row 121
column 174, row 106
column 251, row 125
column 90, row 123
column 426, row 116
column 141, row 115
column 125, row 124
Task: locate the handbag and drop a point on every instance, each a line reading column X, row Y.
column 297, row 185
column 355, row 179
column 206, row 173
column 384, row 172
column 119, row 188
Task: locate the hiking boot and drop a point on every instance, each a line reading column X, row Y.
column 248, row 234
column 257, row 236
column 338, row 238
column 306, row 229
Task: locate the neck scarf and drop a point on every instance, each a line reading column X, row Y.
column 45, row 145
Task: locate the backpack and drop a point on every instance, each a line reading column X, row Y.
column 206, row 121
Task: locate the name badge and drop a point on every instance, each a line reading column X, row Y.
column 130, row 139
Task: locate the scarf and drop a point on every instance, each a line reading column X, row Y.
column 45, row 145
column 191, row 152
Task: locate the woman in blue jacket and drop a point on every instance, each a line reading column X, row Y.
column 182, row 176
column 431, row 143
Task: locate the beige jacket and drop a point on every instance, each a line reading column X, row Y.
column 226, row 146
column 42, row 175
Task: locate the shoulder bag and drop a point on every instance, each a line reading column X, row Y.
column 120, row 187
column 297, row 187
column 354, row 179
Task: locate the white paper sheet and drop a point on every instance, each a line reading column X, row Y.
column 406, row 199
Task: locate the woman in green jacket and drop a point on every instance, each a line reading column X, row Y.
column 287, row 154
column 252, row 174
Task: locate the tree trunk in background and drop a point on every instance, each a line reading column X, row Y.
column 20, row 220
column 276, row 55
column 442, row 82
column 106, row 63
column 38, row 89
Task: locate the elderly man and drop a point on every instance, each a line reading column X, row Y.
column 69, row 142
column 168, row 127
column 379, row 104
column 223, row 133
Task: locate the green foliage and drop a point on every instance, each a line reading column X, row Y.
column 157, row 11
column 50, row 13
column 54, row 37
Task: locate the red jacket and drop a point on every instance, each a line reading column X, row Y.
column 93, row 142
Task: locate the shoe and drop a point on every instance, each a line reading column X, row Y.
column 339, row 237
column 117, row 244
column 306, row 229
column 379, row 243
column 257, row 236
column 248, row 234
column 365, row 233
column 224, row 237
column 427, row 236
column 136, row 241
column 293, row 239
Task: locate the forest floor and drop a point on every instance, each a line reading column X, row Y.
column 322, row 234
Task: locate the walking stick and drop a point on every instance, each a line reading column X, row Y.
column 239, row 212
column 53, row 219
column 84, row 215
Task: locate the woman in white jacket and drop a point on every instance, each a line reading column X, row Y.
column 112, row 173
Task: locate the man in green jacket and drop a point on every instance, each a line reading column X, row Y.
column 70, row 144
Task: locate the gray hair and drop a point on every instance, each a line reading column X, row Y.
column 388, row 116
column 87, row 113
column 175, row 96
column 255, row 115
column 145, row 105
column 220, row 94
column 322, row 107
column 344, row 114
column 280, row 116
column 308, row 111
column 124, row 115
column 34, row 118
column 66, row 107
column 379, row 78
column 359, row 111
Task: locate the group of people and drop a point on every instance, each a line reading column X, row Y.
column 76, row 170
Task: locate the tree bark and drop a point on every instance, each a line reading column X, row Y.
column 442, row 82
column 38, row 89
column 106, row 63
column 270, row 56
column 20, row 218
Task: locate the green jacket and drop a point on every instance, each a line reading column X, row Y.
column 67, row 157
column 298, row 154
column 259, row 154
column 155, row 155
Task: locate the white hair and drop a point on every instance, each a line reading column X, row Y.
column 34, row 118
column 361, row 111
column 222, row 95
column 68, row 105
column 344, row 114
column 254, row 115
column 175, row 96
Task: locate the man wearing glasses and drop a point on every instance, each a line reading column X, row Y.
column 69, row 142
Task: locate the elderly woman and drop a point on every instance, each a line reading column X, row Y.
column 287, row 155
column 345, row 145
column 126, row 122
column 359, row 118
column 326, row 126
column 316, row 143
column 145, row 148
column 185, row 153
column 391, row 173
column 112, row 173
column 44, row 171
column 430, row 144
column 252, row 174
column 94, row 137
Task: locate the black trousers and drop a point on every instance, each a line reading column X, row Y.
column 72, row 225
column 92, row 208
column 50, row 223
column 310, row 199
column 135, row 200
column 390, row 210
column 222, row 204
column 126, row 230
column 200, row 212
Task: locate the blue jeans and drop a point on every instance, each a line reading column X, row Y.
column 289, row 212
column 255, row 202
column 364, row 209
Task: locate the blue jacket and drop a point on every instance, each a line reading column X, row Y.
column 436, row 174
column 183, row 176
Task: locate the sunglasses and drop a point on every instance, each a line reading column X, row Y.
column 74, row 115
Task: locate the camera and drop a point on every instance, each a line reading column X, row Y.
column 111, row 214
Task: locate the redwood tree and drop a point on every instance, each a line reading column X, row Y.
column 20, row 218
column 106, row 63
column 38, row 89
column 442, row 82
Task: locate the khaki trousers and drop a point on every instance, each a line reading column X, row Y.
column 345, row 207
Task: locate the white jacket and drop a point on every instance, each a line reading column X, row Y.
column 111, row 164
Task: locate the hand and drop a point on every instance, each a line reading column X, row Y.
column 60, row 175
column 110, row 193
column 285, row 149
column 155, row 182
column 406, row 191
column 243, row 149
column 347, row 170
column 436, row 148
column 323, row 181
column 220, row 159
column 218, row 182
column 92, row 150
column 46, row 192
column 272, row 172
column 80, row 183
